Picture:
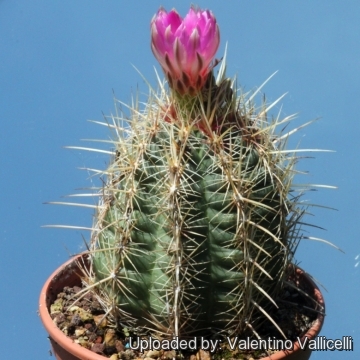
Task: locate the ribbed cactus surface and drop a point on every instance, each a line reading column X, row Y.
column 196, row 224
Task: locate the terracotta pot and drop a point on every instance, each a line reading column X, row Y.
column 296, row 353
column 65, row 349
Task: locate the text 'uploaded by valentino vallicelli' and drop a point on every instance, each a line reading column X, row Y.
column 320, row 343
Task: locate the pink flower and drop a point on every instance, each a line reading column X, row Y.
column 185, row 47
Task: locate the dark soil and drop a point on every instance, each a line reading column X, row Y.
column 84, row 322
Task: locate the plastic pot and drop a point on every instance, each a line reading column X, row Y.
column 65, row 349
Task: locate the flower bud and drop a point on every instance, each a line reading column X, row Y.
column 185, row 47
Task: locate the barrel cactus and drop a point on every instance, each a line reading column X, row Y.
column 198, row 219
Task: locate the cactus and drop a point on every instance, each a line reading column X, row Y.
column 198, row 220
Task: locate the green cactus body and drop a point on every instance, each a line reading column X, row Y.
column 196, row 226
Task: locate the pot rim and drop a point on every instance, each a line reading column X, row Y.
column 55, row 334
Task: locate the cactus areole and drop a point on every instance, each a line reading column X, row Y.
column 198, row 219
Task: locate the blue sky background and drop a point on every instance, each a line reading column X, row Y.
column 60, row 62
